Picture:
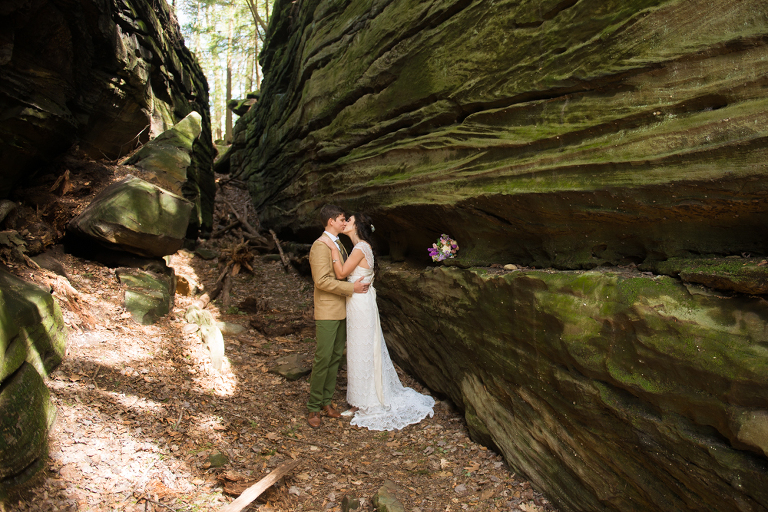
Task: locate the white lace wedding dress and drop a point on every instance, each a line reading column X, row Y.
column 372, row 382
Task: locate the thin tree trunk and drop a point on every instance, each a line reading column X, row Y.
column 230, row 43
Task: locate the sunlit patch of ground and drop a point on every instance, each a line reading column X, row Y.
column 141, row 413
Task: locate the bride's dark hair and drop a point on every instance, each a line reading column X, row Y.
column 364, row 229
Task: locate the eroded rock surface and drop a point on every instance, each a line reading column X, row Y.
column 609, row 390
column 167, row 157
column 104, row 74
column 32, row 344
column 566, row 134
column 135, row 216
column 148, row 295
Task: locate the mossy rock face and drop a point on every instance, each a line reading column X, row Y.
column 26, row 414
column 136, row 216
column 107, row 77
column 148, row 295
column 609, row 390
column 743, row 275
column 168, row 156
column 558, row 134
column 240, row 107
column 31, row 327
column 32, row 344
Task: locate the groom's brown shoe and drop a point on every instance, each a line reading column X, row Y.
column 314, row 419
column 331, row 412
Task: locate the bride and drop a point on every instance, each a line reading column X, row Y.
column 378, row 399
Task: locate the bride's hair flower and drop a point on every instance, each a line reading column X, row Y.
column 372, row 228
column 445, row 247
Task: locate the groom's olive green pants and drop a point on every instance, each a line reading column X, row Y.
column 331, row 339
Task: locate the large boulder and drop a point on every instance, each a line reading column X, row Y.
column 610, row 390
column 26, row 415
column 166, row 158
column 551, row 133
column 31, row 327
column 136, row 216
column 32, row 344
column 107, row 75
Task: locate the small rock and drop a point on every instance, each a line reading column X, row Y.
column 229, row 328
column 385, row 500
column 290, row 367
column 349, row 503
column 510, row 267
column 206, row 254
column 217, row 460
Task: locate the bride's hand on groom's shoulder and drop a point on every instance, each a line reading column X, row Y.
column 331, row 245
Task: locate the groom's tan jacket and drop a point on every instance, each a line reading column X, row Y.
column 330, row 293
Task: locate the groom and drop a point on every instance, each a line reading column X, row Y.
column 330, row 315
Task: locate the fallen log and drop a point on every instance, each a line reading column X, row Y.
column 259, row 487
column 283, row 257
column 220, row 232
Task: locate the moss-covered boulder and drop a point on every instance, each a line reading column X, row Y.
column 166, row 158
column 31, row 327
column 32, row 344
column 136, row 216
column 148, row 295
column 609, row 390
column 549, row 133
column 26, row 415
column 240, row 107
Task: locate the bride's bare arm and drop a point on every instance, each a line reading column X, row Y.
column 353, row 260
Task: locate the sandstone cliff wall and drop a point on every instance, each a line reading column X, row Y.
column 104, row 74
column 609, row 390
column 553, row 133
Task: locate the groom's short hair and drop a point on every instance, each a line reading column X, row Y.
column 329, row 211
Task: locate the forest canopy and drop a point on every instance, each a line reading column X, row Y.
column 226, row 36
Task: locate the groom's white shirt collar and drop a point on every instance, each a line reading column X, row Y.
column 333, row 237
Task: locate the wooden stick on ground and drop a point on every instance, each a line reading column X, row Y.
column 219, row 232
column 242, row 220
column 283, row 257
column 226, row 289
column 259, row 487
column 311, row 443
column 207, row 297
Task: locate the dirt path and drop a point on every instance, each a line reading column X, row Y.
column 143, row 418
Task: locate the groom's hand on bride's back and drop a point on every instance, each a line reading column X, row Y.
column 360, row 286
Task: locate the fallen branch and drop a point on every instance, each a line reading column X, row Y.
column 312, row 443
column 242, row 220
column 259, row 487
column 283, row 257
column 207, row 297
column 234, row 181
column 226, row 289
column 219, row 232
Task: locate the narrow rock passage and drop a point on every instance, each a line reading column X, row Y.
column 145, row 423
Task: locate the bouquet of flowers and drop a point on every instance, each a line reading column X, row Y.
column 445, row 247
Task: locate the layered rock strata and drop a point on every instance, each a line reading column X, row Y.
column 136, row 216
column 107, row 75
column 609, row 390
column 32, row 344
column 566, row 134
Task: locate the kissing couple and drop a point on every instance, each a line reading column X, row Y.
column 346, row 313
